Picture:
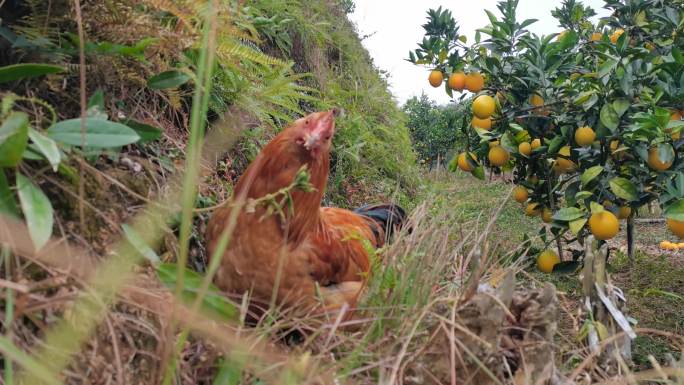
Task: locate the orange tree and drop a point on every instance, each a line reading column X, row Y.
column 588, row 119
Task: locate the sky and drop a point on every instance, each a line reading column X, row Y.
column 394, row 27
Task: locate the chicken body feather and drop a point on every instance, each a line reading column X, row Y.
column 312, row 251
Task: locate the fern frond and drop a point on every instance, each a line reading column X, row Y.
column 183, row 14
column 230, row 49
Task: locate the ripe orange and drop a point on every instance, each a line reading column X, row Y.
column 547, row 215
column 485, row 124
column 532, row 209
column 547, row 260
column 520, row 194
column 563, row 165
column 585, row 136
column 493, row 143
column 677, row 227
column 604, row 225
column 463, row 163
column 596, row 36
column 525, row 148
column 457, row 81
column 624, row 212
column 535, row 143
column 474, row 82
column 536, row 100
column 436, row 78
column 616, row 35
column 498, row 156
column 654, row 159
column 483, row 106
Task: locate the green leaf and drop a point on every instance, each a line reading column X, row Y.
column 13, row 139
column 27, row 70
column 567, row 214
column 147, row 133
column 508, row 143
column 620, row 106
column 607, row 67
column 96, row 106
column 675, row 210
column 47, row 147
column 8, row 205
column 168, row 79
column 213, row 302
column 596, row 207
column 555, row 144
column 478, row 173
column 623, row 188
column 589, row 175
column 583, row 195
column 37, row 211
column 577, row 225
column 140, row 245
column 609, row 117
column 98, row 133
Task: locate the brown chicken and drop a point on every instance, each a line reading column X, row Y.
column 310, row 254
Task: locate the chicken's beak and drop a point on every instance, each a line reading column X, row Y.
column 323, row 128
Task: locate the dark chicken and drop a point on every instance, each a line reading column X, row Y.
column 311, row 253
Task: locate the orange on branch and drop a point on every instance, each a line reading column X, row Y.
column 616, row 35
column 520, row 194
column 604, row 225
column 536, row 100
column 483, row 106
column 525, row 148
column 463, row 162
column 585, row 136
column 547, row 215
column 498, row 156
column 547, row 260
column 654, row 161
column 436, row 78
column 624, row 212
column 474, row 82
column 535, row 143
column 457, row 81
column 485, row 124
column 532, row 209
column 563, row 165
column 677, row 227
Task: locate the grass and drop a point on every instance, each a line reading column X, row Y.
column 470, row 199
column 654, row 284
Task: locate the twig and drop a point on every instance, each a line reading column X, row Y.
column 82, row 80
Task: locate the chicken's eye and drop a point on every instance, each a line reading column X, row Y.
column 327, row 137
column 307, row 121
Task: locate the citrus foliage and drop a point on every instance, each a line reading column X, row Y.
column 589, row 119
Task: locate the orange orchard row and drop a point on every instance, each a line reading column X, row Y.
column 603, row 225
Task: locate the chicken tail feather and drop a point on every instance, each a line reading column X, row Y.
column 388, row 216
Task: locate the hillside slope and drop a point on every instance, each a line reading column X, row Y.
column 276, row 60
